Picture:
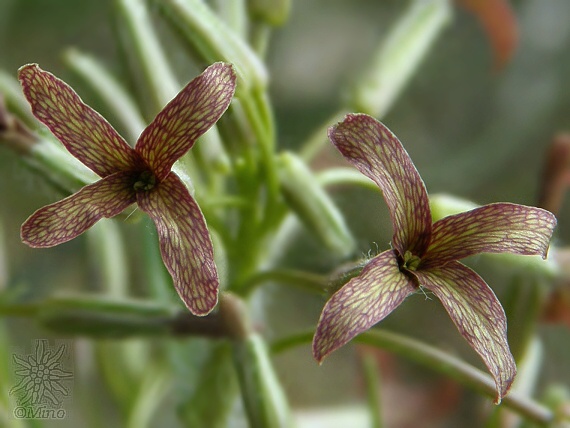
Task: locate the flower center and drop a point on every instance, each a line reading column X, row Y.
column 411, row 262
column 145, row 181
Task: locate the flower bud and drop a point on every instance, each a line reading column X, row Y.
column 274, row 12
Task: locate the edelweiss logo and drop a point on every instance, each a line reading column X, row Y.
column 43, row 382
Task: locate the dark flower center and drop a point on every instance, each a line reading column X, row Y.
column 145, row 181
column 411, row 262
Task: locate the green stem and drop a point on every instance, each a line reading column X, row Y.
column 344, row 176
column 453, row 367
column 260, row 118
column 439, row 361
column 260, row 34
column 234, row 14
column 372, row 379
column 305, row 280
column 292, row 341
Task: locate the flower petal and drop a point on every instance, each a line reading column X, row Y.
column 190, row 114
column 83, row 131
column 185, row 243
column 361, row 303
column 493, row 228
column 478, row 315
column 64, row 220
column 379, row 155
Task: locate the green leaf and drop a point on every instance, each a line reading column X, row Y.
column 214, row 40
column 149, row 67
column 216, row 391
column 399, row 56
column 313, row 205
column 109, row 89
column 263, row 396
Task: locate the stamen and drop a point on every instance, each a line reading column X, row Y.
column 145, row 182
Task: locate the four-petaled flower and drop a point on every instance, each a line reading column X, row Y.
column 426, row 254
column 142, row 175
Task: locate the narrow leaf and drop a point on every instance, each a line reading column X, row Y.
column 361, row 303
column 190, row 114
column 83, row 131
column 493, row 228
column 64, row 220
column 408, row 42
column 313, row 205
column 185, row 244
column 379, row 155
column 478, row 315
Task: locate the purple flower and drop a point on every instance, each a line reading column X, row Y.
column 142, row 175
column 426, row 254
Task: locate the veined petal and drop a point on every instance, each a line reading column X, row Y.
column 478, row 315
column 185, row 243
column 64, row 220
column 379, row 155
column 361, row 303
column 83, row 131
column 190, row 114
column 493, row 228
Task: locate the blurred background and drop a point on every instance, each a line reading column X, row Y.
column 474, row 130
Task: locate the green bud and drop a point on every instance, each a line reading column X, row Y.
column 265, row 402
column 399, row 55
column 313, row 205
column 215, row 41
column 274, row 12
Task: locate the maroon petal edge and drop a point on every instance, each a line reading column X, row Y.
column 361, row 303
column 378, row 154
column 185, row 243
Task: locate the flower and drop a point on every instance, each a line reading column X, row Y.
column 142, row 175
column 426, row 254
